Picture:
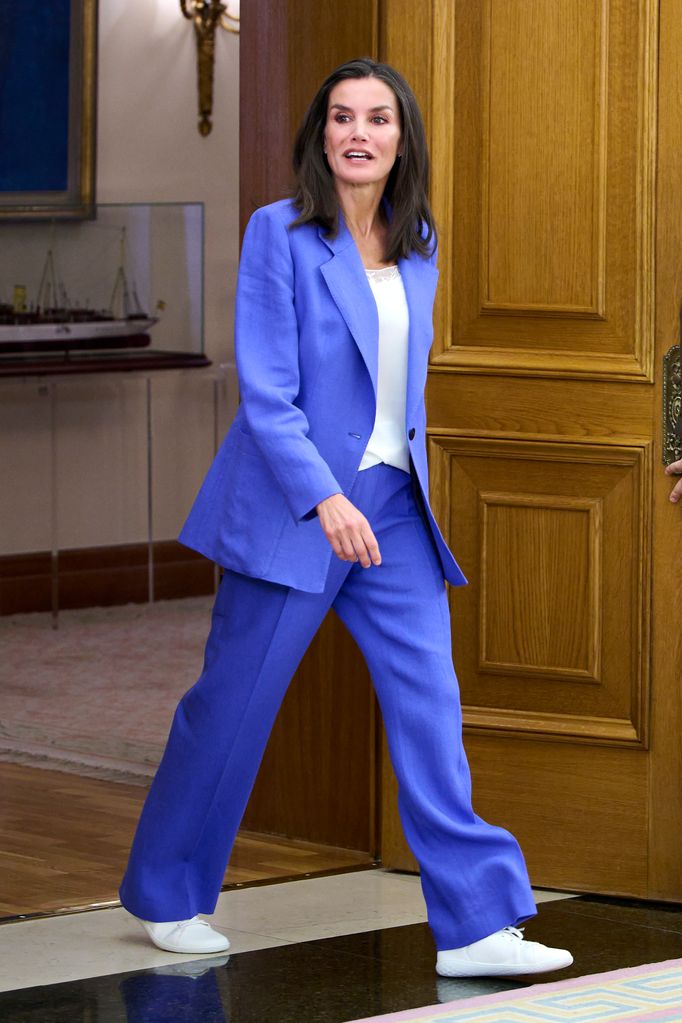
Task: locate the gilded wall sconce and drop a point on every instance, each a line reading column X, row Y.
column 207, row 16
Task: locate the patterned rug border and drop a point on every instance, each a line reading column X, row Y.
column 462, row 1008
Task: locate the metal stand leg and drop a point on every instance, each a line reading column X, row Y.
column 54, row 504
column 216, row 442
column 150, row 496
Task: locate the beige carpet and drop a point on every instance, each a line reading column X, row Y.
column 97, row 695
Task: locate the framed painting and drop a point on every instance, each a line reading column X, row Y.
column 48, row 64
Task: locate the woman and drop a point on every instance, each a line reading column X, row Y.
column 319, row 498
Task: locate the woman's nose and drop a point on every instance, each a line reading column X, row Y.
column 360, row 132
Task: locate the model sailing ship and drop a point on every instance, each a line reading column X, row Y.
column 54, row 322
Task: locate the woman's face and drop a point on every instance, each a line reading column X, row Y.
column 362, row 136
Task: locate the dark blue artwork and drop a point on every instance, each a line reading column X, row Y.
column 34, row 96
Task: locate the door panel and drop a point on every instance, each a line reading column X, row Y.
column 548, row 634
column 563, row 271
column 579, row 812
column 554, row 134
column 547, row 240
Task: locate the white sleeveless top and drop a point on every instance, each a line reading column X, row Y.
column 388, row 442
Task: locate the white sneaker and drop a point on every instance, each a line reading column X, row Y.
column 503, row 954
column 187, row 936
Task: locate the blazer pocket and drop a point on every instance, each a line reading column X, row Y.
column 253, row 508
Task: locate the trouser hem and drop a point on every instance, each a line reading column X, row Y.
column 482, row 924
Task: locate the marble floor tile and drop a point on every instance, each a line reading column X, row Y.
column 310, row 982
column 659, row 916
column 346, row 977
column 547, row 895
column 324, row 906
column 109, row 941
column 610, row 934
column 81, row 945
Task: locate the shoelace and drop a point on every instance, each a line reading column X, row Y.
column 194, row 922
column 513, row 932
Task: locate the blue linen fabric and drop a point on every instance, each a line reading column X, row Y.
column 306, row 344
column 473, row 874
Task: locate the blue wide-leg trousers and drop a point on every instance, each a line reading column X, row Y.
column 473, row 874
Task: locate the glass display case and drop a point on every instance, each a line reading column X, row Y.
column 129, row 283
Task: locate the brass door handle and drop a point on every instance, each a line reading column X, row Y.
column 672, row 402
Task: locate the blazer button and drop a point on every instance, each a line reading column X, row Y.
column 411, row 434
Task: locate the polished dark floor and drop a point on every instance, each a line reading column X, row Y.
column 340, row 979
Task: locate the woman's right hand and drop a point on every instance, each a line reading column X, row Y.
column 348, row 531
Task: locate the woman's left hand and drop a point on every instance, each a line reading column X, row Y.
column 675, row 469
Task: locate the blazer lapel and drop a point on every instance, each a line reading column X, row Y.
column 419, row 280
column 348, row 286
column 347, row 282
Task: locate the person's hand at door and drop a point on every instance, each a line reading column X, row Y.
column 675, row 469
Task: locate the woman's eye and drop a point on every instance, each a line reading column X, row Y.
column 378, row 119
column 342, row 118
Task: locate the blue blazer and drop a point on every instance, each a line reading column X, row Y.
column 306, row 343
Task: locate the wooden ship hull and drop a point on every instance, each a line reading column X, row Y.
column 100, row 332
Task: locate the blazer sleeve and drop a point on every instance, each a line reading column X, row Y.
column 267, row 357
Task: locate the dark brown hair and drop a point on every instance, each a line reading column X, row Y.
column 412, row 227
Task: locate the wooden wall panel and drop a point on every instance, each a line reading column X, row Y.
column 532, row 407
column 405, row 41
column 102, row 577
column 264, row 128
column 581, row 821
column 543, row 206
column 548, row 230
column 318, row 777
column 320, row 38
column 286, row 50
column 552, row 630
column 543, row 552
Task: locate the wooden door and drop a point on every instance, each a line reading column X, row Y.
column 556, row 135
column 318, row 779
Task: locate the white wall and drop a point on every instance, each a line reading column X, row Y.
column 148, row 150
